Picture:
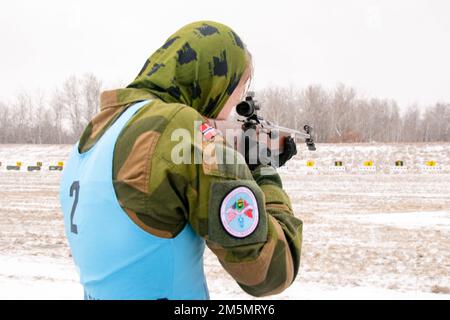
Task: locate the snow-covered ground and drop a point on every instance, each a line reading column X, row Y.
column 366, row 235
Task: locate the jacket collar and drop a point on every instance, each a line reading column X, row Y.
column 120, row 97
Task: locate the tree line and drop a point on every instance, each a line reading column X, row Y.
column 341, row 115
column 337, row 115
column 57, row 119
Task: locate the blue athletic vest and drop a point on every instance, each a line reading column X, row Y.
column 117, row 259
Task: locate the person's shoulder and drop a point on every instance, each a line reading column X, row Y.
column 185, row 117
column 176, row 115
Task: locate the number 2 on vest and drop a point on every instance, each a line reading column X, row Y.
column 74, row 188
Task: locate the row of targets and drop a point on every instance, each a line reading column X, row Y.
column 19, row 166
column 368, row 166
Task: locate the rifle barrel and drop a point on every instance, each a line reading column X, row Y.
column 296, row 132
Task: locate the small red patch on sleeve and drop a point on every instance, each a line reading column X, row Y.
column 207, row 131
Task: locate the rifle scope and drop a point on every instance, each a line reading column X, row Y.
column 247, row 108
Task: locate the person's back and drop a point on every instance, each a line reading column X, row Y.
column 111, row 251
column 137, row 219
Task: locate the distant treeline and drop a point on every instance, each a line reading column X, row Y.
column 57, row 119
column 337, row 115
column 340, row 115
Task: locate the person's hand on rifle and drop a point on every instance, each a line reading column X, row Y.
column 290, row 150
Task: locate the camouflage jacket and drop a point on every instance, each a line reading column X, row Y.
column 161, row 196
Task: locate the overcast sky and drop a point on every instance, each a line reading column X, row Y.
column 387, row 49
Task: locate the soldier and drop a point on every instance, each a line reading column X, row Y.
column 137, row 220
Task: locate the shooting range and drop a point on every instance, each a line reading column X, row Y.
column 355, row 96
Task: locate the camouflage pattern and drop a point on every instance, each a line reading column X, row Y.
column 161, row 196
column 198, row 66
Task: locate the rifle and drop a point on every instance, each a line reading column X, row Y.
column 258, row 139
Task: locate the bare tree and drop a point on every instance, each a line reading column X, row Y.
column 77, row 102
column 5, row 123
column 275, row 104
column 56, row 114
column 315, row 111
column 342, row 111
column 91, row 87
column 411, row 125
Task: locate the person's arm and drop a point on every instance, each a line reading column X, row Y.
column 288, row 228
column 267, row 267
column 266, row 260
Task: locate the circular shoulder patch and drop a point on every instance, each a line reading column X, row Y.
column 239, row 212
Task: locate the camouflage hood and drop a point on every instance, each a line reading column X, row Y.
column 199, row 66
